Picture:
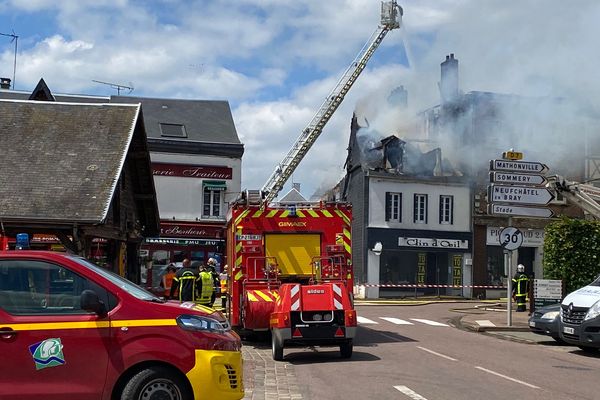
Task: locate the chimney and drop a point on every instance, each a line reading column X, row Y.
column 449, row 79
column 4, row 83
column 399, row 97
column 296, row 186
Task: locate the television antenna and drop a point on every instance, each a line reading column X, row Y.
column 15, row 39
column 117, row 86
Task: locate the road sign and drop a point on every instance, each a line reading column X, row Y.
column 513, row 178
column 519, row 194
column 511, row 238
column 512, row 155
column 547, row 288
column 518, row 166
column 502, row 209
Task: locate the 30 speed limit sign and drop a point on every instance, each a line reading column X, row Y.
column 511, row 238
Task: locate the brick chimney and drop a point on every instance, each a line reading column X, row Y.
column 449, row 79
column 5, row 83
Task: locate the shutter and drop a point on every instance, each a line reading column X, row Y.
column 388, row 206
column 441, row 211
column 451, row 210
column 426, row 207
column 415, row 208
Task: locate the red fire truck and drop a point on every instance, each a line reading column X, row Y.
column 292, row 273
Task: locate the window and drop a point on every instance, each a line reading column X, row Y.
column 446, row 210
column 393, row 206
column 172, row 130
column 420, row 209
column 212, row 203
column 36, row 287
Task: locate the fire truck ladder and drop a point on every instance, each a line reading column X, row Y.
column 391, row 13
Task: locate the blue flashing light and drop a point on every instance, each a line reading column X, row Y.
column 22, row 241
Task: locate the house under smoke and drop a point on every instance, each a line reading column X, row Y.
column 416, row 205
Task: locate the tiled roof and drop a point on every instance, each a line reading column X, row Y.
column 61, row 161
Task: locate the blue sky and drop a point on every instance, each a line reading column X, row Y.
column 275, row 61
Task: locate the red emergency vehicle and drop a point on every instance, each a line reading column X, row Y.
column 71, row 329
column 292, row 273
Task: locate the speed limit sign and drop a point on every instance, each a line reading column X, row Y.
column 511, row 238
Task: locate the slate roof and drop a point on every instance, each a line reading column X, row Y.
column 204, row 120
column 61, row 160
column 293, row 196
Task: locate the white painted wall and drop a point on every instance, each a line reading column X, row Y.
column 462, row 205
column 180, row 199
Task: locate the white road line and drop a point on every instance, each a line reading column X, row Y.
column 484, row 322
column 410, row 393
column 508, row 377
column 437, row 354
column 396, row 321
column 428, row 322
column 363, row 320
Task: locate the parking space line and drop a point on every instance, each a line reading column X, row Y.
column 409, row 392
column 508, row 377
column 437, row 354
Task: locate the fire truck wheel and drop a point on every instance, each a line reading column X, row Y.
column 156, row 382
column 346, row 349
column 277, row 347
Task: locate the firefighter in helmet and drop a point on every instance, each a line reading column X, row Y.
column 520, row 286
column 211, row 267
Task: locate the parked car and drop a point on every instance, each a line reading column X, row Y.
column 580, row 317
column 71, row 329
column 546, row 321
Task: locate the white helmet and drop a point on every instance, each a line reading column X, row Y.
column 211, row 261
column 520, row 268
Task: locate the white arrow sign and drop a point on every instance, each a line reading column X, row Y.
column 501, row 209
column 519, row 194
column 524, row 179
column 518, row 166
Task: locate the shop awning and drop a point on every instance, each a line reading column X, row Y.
column 214, row 185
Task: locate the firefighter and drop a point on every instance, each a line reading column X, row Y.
column 167, row 280
column 211, row 264
column 520, row 287
column 223, row 277
column 186, row 281
column 206, row 288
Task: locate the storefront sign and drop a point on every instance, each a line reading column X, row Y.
column 421, row 268
column 190, row 230
column 184, row 242
column 531, row 237
column 191, row 171
column 433, row 243
column 457, row 270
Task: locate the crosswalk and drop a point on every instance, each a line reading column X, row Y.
column 398, row 321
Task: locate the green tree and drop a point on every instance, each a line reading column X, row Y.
column 572, row 252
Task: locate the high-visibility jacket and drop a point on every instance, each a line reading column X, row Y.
column 207, row 288
column 520, row 284
column 185, row 280
column 167, row 282
column 223, row 278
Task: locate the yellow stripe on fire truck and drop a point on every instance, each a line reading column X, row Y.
column 344, row 216
column 262, row 295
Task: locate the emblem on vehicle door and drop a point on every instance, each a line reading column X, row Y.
column 47, row 353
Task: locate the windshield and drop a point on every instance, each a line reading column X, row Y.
column 118, row 280
column 596, row 281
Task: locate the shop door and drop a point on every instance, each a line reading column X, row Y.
column 526, row 257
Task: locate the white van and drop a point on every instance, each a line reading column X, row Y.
column 580, row 317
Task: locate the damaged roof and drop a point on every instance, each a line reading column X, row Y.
column 62, row 160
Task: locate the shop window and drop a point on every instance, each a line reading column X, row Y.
column 495, row 266
column 393, row 206
column 446, row 210
column 420, row 209
column 212, row 203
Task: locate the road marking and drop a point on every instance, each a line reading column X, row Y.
column 396, row 321
column 508, row 377
column 437, row 354
column 410, row 393
column 428, row 322
column 363, row 320
column 485, row 322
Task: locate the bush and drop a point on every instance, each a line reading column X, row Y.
column 572, row 252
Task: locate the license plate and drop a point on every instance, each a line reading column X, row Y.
column 532, row 324
column 568, row 330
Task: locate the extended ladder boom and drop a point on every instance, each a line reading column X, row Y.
column 582, row 195
column 390, row 19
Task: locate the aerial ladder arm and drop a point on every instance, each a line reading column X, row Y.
column 583, row 195
column 391, row 13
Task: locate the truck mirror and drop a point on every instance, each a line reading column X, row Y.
column 90, row 301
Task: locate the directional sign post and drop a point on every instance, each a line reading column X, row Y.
column 519, row 166
column 519, row 179
column 519, row 194
column 509, row 210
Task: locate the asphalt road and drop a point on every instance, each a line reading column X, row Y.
column 415, row 352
